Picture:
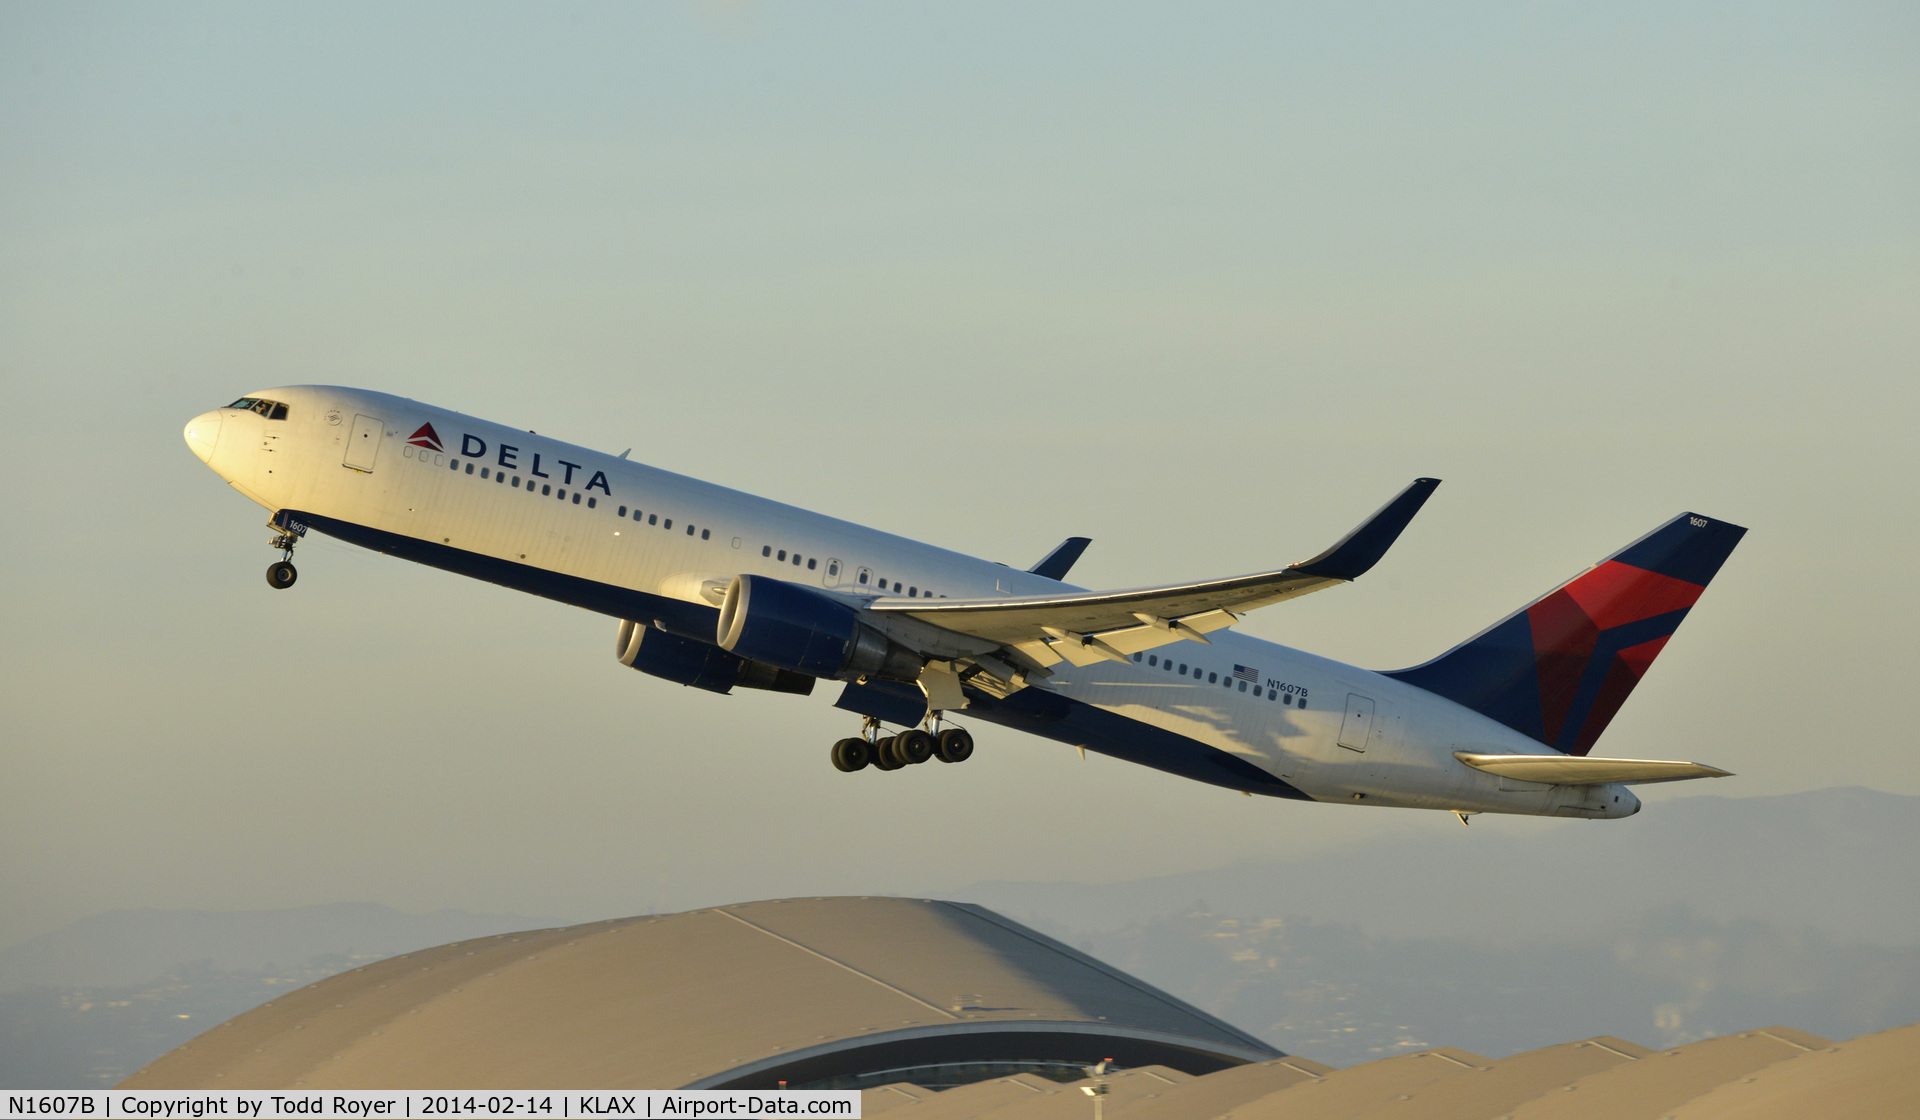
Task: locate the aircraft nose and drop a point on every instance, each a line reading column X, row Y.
column 203, row 432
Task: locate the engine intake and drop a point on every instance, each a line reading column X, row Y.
column 803, row 630
column 699, row 665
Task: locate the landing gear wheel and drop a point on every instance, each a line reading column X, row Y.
column 913, row 746
column 884, row 757
column 280, row 575
column 955, row 744
column 851, row 754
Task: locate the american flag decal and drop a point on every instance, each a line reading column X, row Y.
column 1247, row 673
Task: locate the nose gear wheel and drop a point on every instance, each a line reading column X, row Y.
column 286, row 533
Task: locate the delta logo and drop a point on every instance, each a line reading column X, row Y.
column 426, row 437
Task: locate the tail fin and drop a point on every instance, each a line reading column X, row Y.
column 1559, row 669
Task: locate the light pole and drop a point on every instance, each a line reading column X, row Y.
column 1098, row 1089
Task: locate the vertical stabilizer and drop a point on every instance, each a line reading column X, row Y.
column 1560, row 668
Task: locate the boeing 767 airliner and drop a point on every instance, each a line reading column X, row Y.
column 719, row 590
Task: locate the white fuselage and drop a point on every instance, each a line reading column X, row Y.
column 528, row 500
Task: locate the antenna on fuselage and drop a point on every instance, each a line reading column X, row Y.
column 626, row 453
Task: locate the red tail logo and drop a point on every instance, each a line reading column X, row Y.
column 426, row 437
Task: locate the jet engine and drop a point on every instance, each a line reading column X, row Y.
column 797, row 628
column 695, row 663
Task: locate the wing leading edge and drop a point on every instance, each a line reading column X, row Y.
column 1084, row 627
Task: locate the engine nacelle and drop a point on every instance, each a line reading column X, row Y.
column 797, row 628
column 695, row 663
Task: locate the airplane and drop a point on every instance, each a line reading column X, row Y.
column 718, row 589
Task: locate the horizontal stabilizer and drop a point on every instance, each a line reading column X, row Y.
column 1574, row 770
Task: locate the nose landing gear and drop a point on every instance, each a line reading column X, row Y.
column 893, row 752
column 286, row 533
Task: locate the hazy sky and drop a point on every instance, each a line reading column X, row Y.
column 1207, row 283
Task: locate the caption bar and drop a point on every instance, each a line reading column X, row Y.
column 373, row 1104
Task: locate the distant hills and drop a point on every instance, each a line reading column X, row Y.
column 125, row 947
column 1699, row 916
column 1837, row 861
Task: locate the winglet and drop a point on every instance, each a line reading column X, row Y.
column 1353, row 554
column 1057, row 562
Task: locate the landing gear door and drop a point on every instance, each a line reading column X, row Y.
column 1358, row 724
column 363, row 443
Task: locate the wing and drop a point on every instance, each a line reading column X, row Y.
column 1086, row 626
column 1575, row 770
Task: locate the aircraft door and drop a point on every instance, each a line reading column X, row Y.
column 363, row 443
column 1358, row 724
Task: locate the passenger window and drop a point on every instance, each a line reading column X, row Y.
column 810, row 563
column 561, row 494
column 1138, row 656
column 1243, row 686
column 1168, row 664
column 669, row 524
column 591, row 502
column 469, row 468
column 689, row 530
column 516, row 482
column 863, row 577
column 896, row 587
column 706, row 534
column 576, row 497
column 545, row 489
column 783, row 555
column 833, row 567
column 1183, row 668
column 623, row 511
column 796, row 559
column 653, row 519
column 636, row 515
column 499, row 476
column 913, row 592
column 483, row 472
column 1153, row 661
column 1212, row 677
column 766, row 550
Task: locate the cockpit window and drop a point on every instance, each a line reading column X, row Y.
column 272, row 410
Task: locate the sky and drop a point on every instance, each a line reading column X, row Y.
column 1206, row 283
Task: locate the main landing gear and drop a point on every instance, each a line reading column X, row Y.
column 286, row 533
column 909, row 748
